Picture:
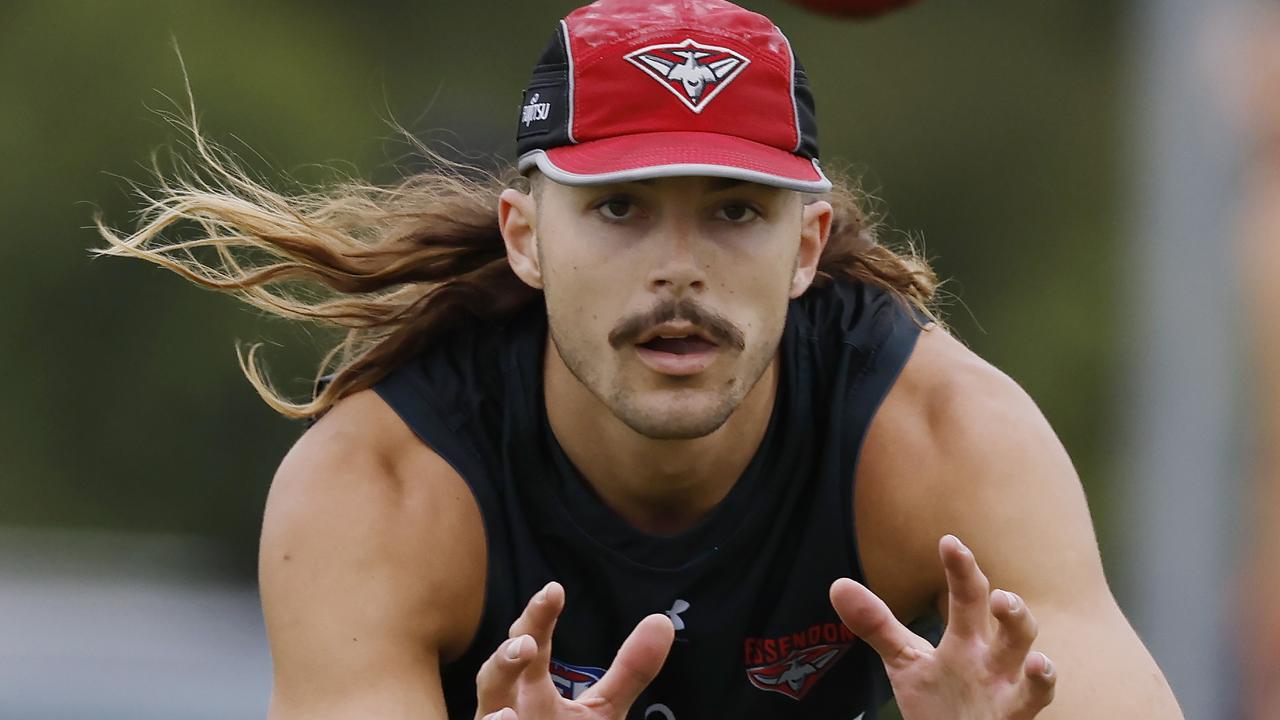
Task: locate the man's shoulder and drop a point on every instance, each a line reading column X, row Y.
column 949, row 392
column 361, row 458
column 359, row 499
column 953, row 414
column 360, row 432
column 943, row 394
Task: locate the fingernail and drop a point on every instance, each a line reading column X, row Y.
column 514, row 646
column 1013, row 600
column 1047, row 672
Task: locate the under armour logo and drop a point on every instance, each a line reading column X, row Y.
column 693, row 72
column 677, row 607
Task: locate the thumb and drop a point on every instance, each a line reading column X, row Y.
column 871, row 620
column 634, row 667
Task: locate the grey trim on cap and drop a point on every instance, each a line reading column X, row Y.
column 543, row 162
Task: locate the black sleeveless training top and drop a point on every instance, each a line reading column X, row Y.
column 747, row 588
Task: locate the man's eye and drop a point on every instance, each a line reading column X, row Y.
column 737, row 213
column 616, row 208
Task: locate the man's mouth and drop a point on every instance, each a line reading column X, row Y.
column 677, row 349
column 683, row 345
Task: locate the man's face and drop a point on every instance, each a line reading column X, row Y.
column 667, row 298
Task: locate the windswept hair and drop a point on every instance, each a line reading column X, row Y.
column 393, row 267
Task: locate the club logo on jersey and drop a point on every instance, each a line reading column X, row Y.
column 793, row 664
column 796, row 675
column 573, row 680
column 693, row 72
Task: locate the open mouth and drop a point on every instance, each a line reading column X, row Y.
column 678, row 351
column 685, row 345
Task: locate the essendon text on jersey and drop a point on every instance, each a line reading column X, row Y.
column 761, row 651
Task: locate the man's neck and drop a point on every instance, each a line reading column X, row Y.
column 658, row 486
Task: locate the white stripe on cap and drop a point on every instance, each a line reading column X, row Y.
column 564, row 177
column 568, row 53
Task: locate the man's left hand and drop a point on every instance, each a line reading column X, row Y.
column 984, row 668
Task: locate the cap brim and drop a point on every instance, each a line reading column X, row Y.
column 670, row 154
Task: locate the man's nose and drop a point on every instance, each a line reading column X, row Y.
column 677, row 267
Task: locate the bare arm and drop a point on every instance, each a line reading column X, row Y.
column 981, row 462
column 371, row 567
column 1017, row 502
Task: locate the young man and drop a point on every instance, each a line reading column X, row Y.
column 670, row 436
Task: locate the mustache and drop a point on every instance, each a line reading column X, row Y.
column 716, row 326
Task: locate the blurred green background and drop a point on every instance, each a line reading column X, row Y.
column 990, row 131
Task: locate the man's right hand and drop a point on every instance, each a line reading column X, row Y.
column 515, row 682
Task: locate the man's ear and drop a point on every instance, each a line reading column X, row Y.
column 815, row 228
column 517, row 220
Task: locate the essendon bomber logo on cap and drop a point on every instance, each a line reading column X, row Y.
column 693, row 72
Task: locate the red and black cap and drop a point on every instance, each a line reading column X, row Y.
column 637, row 89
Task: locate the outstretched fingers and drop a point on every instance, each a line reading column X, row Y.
column 968, row 590
column 527, row 648
column 1016, row 630
column 497, row 683
column 635, row 666
column 1011, row 653
column 870, row 619
column 538, row 621
column 1042, row 678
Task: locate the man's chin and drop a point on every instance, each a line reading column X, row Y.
column 675, row 415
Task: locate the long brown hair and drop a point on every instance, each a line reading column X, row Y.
column 395, row 266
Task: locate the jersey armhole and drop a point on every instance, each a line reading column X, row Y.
column 883, row 362
column 887, row 361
